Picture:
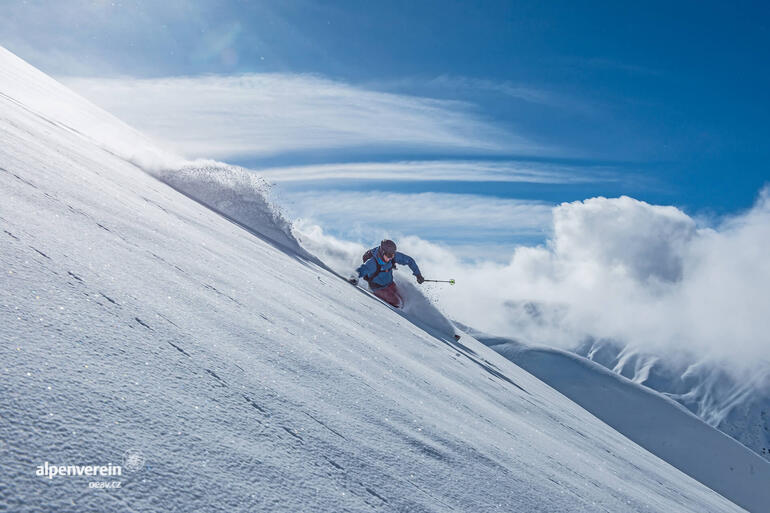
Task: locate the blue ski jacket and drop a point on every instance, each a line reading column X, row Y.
column 385, row 276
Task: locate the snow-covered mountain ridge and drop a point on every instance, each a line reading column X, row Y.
column 655, row 422
column 249, row 376
column 736, row 405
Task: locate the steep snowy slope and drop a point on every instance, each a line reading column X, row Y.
column 249, row 377
column 655, row 422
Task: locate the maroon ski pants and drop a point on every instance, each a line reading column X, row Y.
column 390, row 295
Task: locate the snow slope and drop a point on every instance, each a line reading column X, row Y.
column 652, row 420
column 250, row 377
column 736, row 404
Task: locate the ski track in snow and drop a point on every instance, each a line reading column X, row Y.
column 249, row 376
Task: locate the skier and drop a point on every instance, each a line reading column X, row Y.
column 377, row 270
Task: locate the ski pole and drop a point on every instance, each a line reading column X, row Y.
column 451, row 282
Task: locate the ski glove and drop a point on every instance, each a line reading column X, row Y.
column 353, row 279
column 420, row 279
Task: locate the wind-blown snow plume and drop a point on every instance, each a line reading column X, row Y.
column 625, row 270
column 639, row 288
column 236, row 193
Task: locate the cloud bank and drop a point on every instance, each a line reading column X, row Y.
column 616, row 268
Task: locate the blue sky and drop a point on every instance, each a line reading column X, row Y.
column 666, row 102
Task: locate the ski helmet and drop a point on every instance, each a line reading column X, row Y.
column 388, row 248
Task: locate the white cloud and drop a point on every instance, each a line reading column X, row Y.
column 453, row 83
column 272, row 113
column 447, row 170
column 469, row 221
column 641, row 274
column 645, row 241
